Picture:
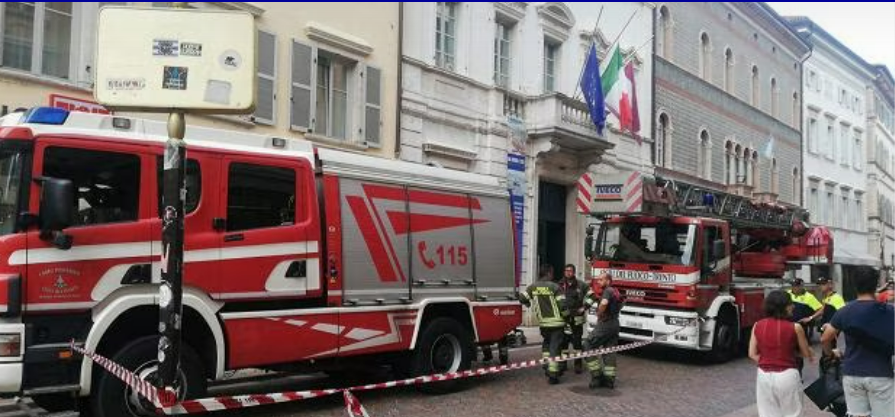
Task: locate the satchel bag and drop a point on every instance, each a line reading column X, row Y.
column 827, row 388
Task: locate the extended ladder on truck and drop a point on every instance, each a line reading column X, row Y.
column 641, row 194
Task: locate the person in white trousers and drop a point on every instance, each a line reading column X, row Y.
column 774, row 345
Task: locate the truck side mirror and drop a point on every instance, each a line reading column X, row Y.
column 589, row 243
column 717, row 250
column 56, row 201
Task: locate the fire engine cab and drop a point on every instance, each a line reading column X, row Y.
column 684, row 255
column 297, row 258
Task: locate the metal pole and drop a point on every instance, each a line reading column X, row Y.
column 593, row 37
column 171, row 289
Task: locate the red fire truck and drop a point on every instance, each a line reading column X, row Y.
column 297, row 258
column 679, row 252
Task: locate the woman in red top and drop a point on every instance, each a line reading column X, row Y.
column 774, row 345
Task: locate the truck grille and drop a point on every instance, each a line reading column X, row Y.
column 636, row 332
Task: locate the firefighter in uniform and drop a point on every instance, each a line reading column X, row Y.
column 574, row 290
column 549, row 306
column 605, row 333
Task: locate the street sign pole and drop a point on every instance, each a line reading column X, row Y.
column 171, row 289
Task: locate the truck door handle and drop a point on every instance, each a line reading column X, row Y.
column 236, row 237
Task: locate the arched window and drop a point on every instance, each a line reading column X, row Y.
column 704, row 166
column 796, row 107
column 756, row 88
column 661, row 141
column 796, row 185
column 775, row 184
column 745, row 174
column 739, row 166
column 663, row 34
column 773, row 97
column 753, row 179
column 728, row 71
column 705, row 57
column 729, row 163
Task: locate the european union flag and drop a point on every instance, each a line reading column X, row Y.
column 593, row 89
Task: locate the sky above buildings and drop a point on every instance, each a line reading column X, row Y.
column 868, row 29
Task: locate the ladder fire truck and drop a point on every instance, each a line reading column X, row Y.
column 297, row 259
column 680, row 252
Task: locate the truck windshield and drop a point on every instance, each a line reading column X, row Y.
column 657, row 243
column 10, row 179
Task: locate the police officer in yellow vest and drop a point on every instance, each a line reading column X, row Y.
column 805, row 303
column 832, row 302
column 549, row 306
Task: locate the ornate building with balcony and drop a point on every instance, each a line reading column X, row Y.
column 484, row 82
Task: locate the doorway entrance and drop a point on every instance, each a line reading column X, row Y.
column 552, row 225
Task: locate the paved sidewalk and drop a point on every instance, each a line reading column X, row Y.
column 810, row 410
column 533, row 337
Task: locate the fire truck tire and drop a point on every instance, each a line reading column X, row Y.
column 111, row 398
column 724, row 345
column 444, row 346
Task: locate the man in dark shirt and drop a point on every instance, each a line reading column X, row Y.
column 605, row 334
column 867, row 363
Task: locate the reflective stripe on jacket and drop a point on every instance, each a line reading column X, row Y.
column 548, row 303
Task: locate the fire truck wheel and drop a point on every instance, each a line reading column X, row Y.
column 444, row 346
column 111, row 398
column 724, row 347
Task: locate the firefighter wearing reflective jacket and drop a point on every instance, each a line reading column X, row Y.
column 549, row 307
column 575, row 290
column 607, row 301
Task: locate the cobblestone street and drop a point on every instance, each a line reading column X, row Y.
column 653, row 382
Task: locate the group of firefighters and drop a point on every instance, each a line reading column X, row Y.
column 560, row 306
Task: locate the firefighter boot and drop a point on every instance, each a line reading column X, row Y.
column 553, row 373
column 595, row 368
column 596, row 381
column 608, row 379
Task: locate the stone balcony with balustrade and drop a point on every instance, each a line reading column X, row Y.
column 555, row 117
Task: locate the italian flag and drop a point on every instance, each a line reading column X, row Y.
column 621, row 96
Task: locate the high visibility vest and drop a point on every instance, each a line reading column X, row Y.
column 547, row 302
column 807, row 299
column 835, row 300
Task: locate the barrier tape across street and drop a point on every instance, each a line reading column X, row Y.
column 165, row 400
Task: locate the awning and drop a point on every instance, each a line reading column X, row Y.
column 844, row 256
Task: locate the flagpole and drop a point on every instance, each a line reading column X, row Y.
column 593, row 36
column 632, row 54
column 624, row 28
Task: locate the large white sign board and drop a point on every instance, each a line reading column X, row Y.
column 158, row 60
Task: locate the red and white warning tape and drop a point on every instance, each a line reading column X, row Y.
column 165, row 403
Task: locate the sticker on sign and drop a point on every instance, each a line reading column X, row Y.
column 192, row 60
column 190, row 49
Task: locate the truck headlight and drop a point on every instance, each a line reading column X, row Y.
column 677, row 321
column 10, row 345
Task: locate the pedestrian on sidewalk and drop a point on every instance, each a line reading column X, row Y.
column 549, row 306
column 869, row 328
column 774, row 345
column 602, row 368
column 574, row 290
